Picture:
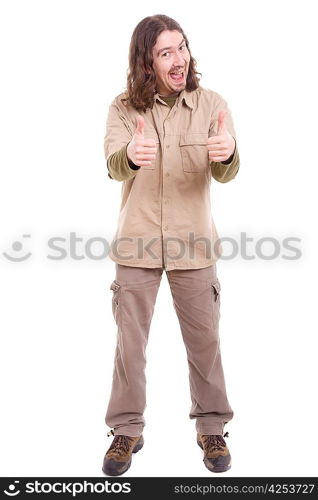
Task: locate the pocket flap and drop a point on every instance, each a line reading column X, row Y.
column 193, row 138
column 216, row 287
column 114, row 286
column 154, row 137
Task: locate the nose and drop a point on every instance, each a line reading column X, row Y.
column 178, row 59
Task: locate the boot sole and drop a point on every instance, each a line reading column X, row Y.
column 111, row 468
column 220, row 467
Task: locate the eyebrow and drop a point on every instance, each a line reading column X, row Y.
column 168, row 48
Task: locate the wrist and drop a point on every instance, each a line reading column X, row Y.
column 130, row 162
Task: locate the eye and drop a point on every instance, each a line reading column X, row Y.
column 165, row 54
column 182, row 47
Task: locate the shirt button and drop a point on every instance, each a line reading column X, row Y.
column 165, row 228
column 168, row 146
column 167, row 174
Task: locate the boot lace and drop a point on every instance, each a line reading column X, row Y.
column 215, row 442
column 120, row 444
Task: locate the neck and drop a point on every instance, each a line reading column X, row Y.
column 170, row 95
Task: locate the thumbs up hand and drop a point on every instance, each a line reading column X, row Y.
column 222, row 145
column 141, row 151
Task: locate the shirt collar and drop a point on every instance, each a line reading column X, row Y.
column 184, row 95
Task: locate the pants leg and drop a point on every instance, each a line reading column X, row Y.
column 196, row 298
column 134, row 295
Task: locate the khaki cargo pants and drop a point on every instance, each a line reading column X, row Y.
column 196, row 299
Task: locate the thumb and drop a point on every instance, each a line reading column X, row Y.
column 221, row 122
column 140, row 130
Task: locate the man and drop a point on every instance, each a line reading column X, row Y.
column 166, row 138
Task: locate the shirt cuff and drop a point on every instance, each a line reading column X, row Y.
column 119, row 167
column 226, row 171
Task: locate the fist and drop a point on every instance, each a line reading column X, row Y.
column 222, row 145
column 141, row 151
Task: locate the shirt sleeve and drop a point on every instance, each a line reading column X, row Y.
column 118, row 135
column 119, row 167
column 224, row 171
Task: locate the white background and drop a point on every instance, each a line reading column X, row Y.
column 62, row 63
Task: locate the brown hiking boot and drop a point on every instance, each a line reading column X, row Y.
column 217, row 457
column 117, row 459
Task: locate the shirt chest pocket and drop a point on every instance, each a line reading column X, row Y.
column 194, row 152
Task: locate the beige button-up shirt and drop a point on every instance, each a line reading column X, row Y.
column 165, row 215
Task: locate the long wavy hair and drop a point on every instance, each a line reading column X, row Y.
column 141, row 78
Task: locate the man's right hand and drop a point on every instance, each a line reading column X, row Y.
column 141, row 151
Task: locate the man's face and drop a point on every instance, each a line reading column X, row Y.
column 170, row 57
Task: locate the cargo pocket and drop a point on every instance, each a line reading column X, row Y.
column 216, row 294
column 116, row 288
column 194, row 152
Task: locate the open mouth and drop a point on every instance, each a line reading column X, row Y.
column 176, row 76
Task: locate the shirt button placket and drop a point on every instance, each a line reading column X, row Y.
column 166, row 185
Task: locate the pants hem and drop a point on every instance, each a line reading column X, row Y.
column 216, row 430
column 129, row 430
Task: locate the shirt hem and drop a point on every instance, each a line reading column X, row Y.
column 167, row 267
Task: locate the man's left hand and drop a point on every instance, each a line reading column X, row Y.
column 222, row 145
